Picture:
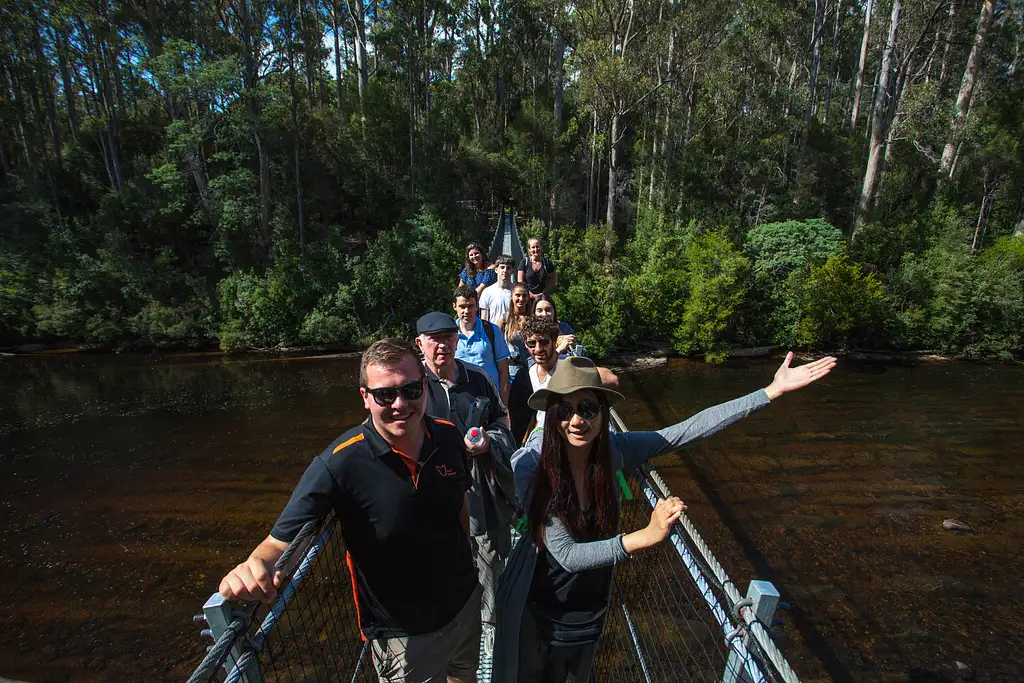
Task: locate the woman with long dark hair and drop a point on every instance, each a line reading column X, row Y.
column 512, row 326
column 477, row 272
column 554, row 594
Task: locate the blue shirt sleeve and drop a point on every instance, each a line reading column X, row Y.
column 487, row 277
column 464, row 277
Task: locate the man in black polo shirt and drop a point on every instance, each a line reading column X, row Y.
column 463, row 394
column 398, row 485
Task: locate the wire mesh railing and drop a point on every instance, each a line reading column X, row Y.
column 675, row 615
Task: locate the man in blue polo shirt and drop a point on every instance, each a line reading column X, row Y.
column 397, row 484
column 481, row 342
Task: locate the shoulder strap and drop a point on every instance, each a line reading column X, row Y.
column 489, row 331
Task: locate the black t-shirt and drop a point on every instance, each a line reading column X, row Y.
column 536, row 280
column 570, row 605
column 401, row 522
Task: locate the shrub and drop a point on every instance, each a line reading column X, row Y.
column 716, row 272
column 956, row 301
column 837, row 303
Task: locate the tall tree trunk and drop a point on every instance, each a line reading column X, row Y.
column 559, row 76
column 833, row 74
column 297, row 135
column 613, row 167
column 67, row 83
column 944, row 70
column 967, row 84
column 878, row 123
column 337, row 52
column 45, row 77
column 412, row 121
column 860, row 66
column 591, row 211
column 817, row 31
column 360, row 38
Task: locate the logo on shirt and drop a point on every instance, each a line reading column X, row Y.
column 444, row 471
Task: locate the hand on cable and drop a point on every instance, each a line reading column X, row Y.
column 254, row 579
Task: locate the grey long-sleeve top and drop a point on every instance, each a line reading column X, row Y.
column 629, row 450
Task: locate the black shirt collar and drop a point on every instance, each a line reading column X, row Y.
column 378, row 446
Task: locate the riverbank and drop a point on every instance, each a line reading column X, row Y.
column 655, row 355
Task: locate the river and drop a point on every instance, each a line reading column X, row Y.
column 132, row 484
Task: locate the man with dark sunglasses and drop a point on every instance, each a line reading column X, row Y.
column 539, row 335
column 397, row 484
column 463, row 393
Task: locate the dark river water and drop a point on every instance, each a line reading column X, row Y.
column 130, row 486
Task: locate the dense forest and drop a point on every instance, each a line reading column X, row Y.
column 827, row 173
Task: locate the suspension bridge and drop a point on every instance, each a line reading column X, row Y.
column 675, row 614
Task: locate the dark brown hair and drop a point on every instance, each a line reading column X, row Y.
column 472, row 270
column 466, row 292
column 388, row 353
column 539, row 327
column 543, row 297
column 554, row 489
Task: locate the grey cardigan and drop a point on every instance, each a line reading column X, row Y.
column 628, row 451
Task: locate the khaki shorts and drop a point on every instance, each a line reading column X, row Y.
column 453, row 650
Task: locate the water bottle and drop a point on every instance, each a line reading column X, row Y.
column 475, row 435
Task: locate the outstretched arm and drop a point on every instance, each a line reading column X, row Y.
column 790, row 379
column 639, row 447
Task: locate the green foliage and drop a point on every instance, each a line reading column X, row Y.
column 961, row 302
column 837, row 303
column 777, row 249
column 716, row 272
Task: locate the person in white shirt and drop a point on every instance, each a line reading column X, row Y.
column 496, row 299
column 539, row 335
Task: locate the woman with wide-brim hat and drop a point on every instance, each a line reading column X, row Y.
column 554, row 594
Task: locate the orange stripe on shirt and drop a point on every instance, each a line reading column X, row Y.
column 355, row 439
column 355, row 593
column 444, row 422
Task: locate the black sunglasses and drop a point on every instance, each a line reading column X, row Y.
column 386, row 396
column 538, row 341
column 586, row 409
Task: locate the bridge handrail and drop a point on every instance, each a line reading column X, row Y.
column 736, row 601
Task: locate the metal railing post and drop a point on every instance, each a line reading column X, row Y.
column 765, row 599
column 219, row 615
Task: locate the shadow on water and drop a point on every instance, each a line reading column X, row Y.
column 812, row 636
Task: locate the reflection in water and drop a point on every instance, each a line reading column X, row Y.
column 132, row 485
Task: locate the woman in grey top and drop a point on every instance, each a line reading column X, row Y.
column 554, row 594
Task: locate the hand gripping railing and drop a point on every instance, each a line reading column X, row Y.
column 309, row 633
column 669, row 621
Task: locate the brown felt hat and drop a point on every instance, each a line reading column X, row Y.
column 573, row 374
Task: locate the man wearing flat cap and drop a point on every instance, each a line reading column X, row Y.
column 463, row 394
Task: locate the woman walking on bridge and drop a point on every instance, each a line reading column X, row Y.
column 553, row 597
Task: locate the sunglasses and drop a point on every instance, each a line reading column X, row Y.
column 386, row 396
column 543, row 341
column 586, row 409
